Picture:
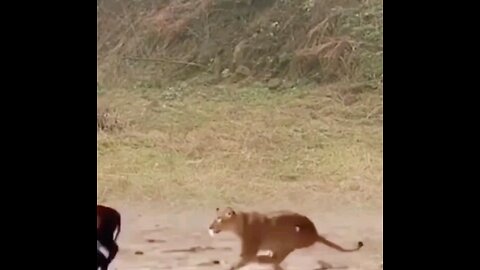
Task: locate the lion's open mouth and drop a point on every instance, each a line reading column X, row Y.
column 212, row 232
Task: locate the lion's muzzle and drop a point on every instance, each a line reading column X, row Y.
column 212, row 231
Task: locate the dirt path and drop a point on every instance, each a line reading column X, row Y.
column 179, row 240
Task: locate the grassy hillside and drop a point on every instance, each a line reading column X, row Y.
column 204, row 102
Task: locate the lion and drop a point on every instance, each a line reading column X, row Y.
column 279, row 233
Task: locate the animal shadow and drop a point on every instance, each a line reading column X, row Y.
column 210, row 263
column 325, row 265
column 151, row 240
column 196, row 249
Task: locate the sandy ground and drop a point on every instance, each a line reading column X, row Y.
column 170, row 239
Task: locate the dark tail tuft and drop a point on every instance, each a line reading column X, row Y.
column 331, row 244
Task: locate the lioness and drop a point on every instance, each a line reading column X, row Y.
column 279, row 232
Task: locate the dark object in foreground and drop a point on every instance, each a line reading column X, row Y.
column 108, row 229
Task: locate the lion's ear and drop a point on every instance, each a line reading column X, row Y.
column 233, row 213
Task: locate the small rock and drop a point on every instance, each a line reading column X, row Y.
column 354, row 187
column 226, row 73
column 183, row 85
column 138, row 252
column 153, row 104
column 274, row 83
column 349, row 100
column 243, row 70
column 289, row 84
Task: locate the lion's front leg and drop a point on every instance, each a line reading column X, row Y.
column 248, row 255
column 240, row 263
column 245, row 258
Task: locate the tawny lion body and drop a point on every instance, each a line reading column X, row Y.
column 279, row 233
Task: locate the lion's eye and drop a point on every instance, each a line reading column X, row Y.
column 229, row 214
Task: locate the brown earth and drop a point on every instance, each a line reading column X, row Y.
column 155, row 238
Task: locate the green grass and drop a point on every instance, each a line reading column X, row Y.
column 242, row 146
column 188, row 144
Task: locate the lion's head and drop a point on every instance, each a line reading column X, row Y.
column 225, row 220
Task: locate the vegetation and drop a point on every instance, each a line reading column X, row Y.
column 213, row 101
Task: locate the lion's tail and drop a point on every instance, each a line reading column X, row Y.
column 326, row 242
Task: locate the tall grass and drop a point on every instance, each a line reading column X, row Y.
column 211, row 102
